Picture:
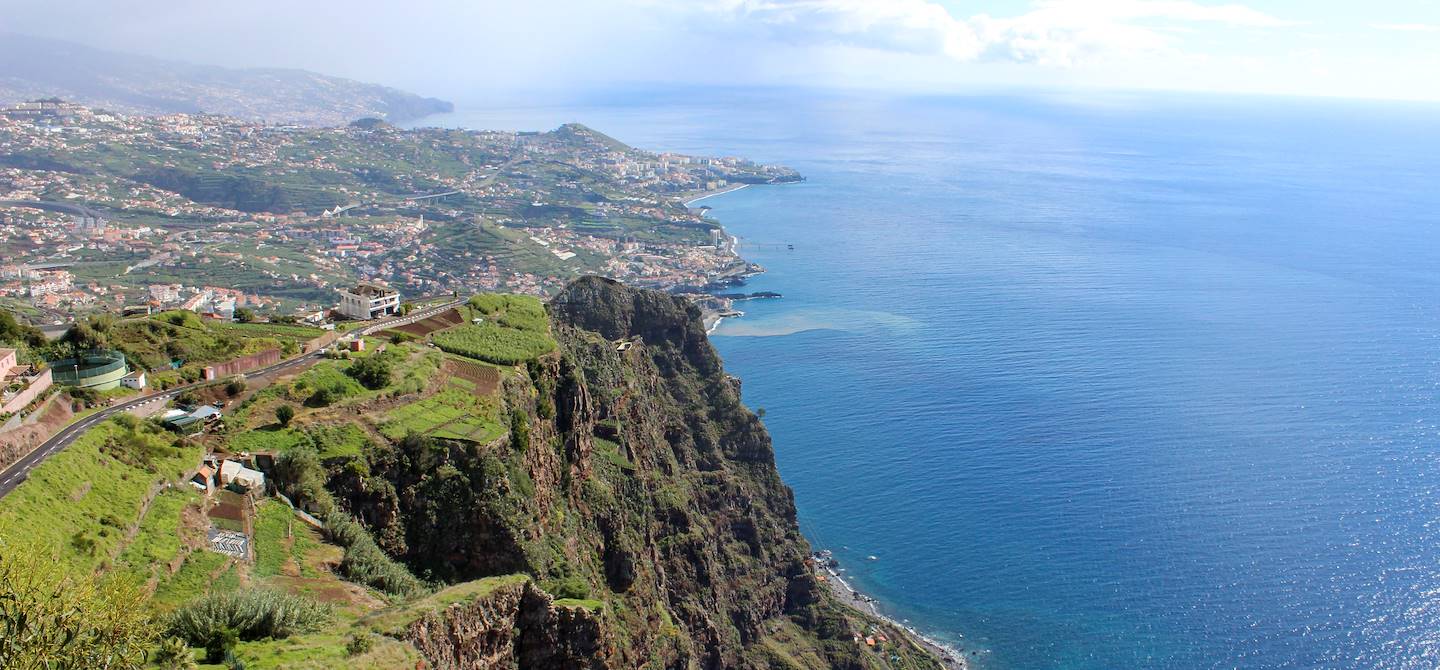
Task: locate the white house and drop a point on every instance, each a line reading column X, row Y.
column 134, row 380
column 243, row 477
column 369, row 301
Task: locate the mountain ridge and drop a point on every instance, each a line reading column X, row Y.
column 35, row 67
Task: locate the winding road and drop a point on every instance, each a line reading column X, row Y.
column 17, row 473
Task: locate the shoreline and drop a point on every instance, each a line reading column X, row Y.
column 949, row 657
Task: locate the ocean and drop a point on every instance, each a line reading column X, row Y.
column 1105, row 381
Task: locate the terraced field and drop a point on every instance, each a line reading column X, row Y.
column 482, row 380
column 447, row 319
column 454, row 413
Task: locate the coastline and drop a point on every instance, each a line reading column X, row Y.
column 714, row 310
column 949, row 657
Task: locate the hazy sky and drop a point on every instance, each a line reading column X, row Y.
column 469, row 49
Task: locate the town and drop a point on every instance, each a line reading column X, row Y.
column 103, row 212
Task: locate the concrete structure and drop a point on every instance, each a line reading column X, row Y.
column 229, row 542
column 234, row 473
column 241, row 365
column 20, row 384
column 134, row 380
column 99, row 370
column 369, row 301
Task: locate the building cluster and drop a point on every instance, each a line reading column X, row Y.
column 285, row 216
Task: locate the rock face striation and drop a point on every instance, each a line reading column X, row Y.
column 634, row 505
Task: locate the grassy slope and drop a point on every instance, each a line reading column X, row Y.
column 81, row 502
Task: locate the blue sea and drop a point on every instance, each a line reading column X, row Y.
column 1102, row 381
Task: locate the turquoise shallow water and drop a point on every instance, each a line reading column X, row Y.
column 1134, row 383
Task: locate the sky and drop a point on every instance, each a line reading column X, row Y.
column 492, row 49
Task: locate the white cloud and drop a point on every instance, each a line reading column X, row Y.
column 1407, row 27
column 1053, row 32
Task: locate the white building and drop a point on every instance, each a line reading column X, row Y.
column 134, row 380
column 369, row 301
column 233, row 472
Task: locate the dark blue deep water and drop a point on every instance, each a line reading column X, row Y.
column 1115, row 383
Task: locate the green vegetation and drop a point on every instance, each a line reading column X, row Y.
column 515, row 330
column 373, row 371
column 250, row 615
column 82, row 499
column 203, row 572
column 613, row 453
column 452, row 413
column 343, row 439
column 272, row 330
column 326, row 384
column 394, row 619
column 328, row 439
column 50, row 618
column 284, row 414
column 365, row 562
column 158, row 540
column 494, row 343
column 183, row 340
column 280, row 541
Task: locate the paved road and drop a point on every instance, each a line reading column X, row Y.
column 17, row 473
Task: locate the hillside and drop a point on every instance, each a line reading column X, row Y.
column 532, row 496
column 33, row 68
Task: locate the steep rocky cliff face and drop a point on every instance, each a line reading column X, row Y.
column 639, row 495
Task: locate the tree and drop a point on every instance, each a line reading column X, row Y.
column 406, row 308
column 12, row 330
column 284, row 414
column 373, row 371
column 49, row 619
column 245, row 315
column 322, row 397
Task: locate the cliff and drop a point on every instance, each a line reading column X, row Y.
column 632, row 517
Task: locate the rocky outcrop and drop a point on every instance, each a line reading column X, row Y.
column 632, row 479
column 514, row 626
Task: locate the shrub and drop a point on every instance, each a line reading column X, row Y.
column 217, row 621
column 284, row 414
column 235, row 387
column 174, row 654
column 322, row 397
column 301, row 476
column 572, row 587
column 221, row 647
column 365, row 562
column 360, row 643
column 519, row 430
column 373, row 372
